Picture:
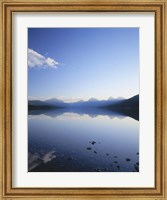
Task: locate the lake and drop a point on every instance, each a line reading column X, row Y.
column 82, row 141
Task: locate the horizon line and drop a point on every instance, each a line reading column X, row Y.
column 72, row 100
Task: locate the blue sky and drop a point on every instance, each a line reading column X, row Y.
column 81, row 63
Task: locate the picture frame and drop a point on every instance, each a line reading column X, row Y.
column 7, row 9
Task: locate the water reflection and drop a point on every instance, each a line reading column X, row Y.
column 93, row 140
column 92, row 112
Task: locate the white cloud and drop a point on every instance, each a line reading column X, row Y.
column 36, row 60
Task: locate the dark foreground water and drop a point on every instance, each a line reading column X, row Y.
column 77, row 141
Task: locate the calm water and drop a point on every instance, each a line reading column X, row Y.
column 66, row 141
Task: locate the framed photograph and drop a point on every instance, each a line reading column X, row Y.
column 83, row 99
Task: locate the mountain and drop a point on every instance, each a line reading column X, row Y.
column 125, row 107
column 94, row 103
column 56, row 102
column 131, row 103
column 36, row 103
column 48, row 104
column 129, row 107
column 118, row 103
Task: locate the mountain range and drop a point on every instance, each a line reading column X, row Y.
column 110, row 103
column 128, row 107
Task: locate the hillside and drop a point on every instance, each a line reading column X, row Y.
column 128, row 107
column 44, row 105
